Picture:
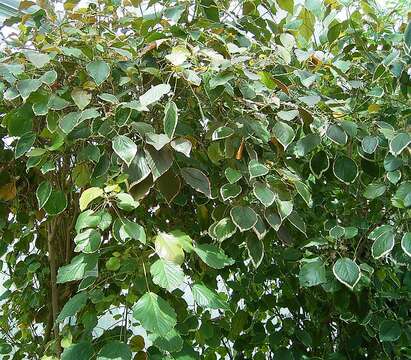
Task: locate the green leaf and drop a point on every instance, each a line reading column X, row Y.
column 255, row 248
column 138, row 170
column 369, row 144
column 287, row 5
column 319, row 163
column 243, row 217
column 295, row 219
column 406, row 243
column 126, row 202
column 383, row 245
column 99, row 71
column 88, row 196
column 69, row 121
column 154, row 94
column 113, row 264
column 273, row 219
column 407, row 36
column 224, row 229
column 133, row 230
column 283, row 133
column 43, row 193
column 49, row 77
column 310, row 100
column 219, row 80
column 158, row 141
column 284, row 207
column 88, row 241
column 312, row 274
column 39, row 60
column 169, row 185
column 115, row 350
column 178, row 56
column 5, row 348
column 182, row 145
column 256, row 169
column 390, row 330
column 24, row 144
column 213, row 256
column 11, row 93
column 350, row 127
column 394, row 176
column 373, row 191
column 168, row 247
column 259, row 228
column 222, row 132
column 81, row 98
column 345, row 169
column 207, row 298
column 77, row 268
column 56, row 203
column 197, row 180
column 305, row 192
column 333, row 32
column 402, row 197
column 171, row 342
column 19, row 121
column 347, row 272
column 170, row 119
column 73, row 306
column 380, row 230
column 232, row 175
column 154, row 314
column 337, row 232
column 336, row 134
column 306, row 144
column 112, row 99
column 376, row 91
column 350, row 232
column 263, row 193
column 399, row 142
column 87, row 219
column 288, row 115
column 87, row 114
column 392, row 163
column 57, row 103
column 230, row 191
column 174, row 12
column 125, row 148
column 167, row 274
column 158, row 161
column 80, row 351
column 27, row 87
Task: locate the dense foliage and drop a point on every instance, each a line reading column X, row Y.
column 227, row 179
